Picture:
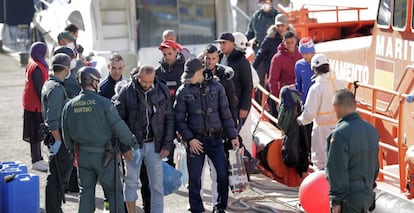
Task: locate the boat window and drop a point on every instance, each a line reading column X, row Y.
column 384, row 13
column 192, row 21
column 400, row 14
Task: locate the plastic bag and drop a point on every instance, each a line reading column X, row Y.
column 181, row 163
column 237, row 172
column 171, row 178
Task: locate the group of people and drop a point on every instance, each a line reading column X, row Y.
column 201, row 102
column 342, row 144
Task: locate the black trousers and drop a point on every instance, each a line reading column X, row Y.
column 54, row 195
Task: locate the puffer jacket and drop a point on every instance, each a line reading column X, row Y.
column 282, row 69
column 202, row 108
column 134, row 112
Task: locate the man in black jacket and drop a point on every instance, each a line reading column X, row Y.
column 145, row 106
column 202, row 117
column 242, row 74
column 171, row 66
column 223, row 74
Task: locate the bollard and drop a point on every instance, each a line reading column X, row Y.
column 24, row 58
column 1, row 46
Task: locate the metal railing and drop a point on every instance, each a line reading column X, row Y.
column 398, row 146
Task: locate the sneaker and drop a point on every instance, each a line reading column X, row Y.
column 44, row 163
column 39, row 166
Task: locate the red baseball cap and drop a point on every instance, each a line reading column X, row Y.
column 170, row 44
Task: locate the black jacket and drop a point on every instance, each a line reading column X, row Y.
column 203, row 107
column 242, row 78
column 133, row 110
column 267, row 49
column 224, row 75
column 171, row 74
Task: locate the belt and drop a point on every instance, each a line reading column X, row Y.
column 212, row 132
column 148, row 140
column 92, row 149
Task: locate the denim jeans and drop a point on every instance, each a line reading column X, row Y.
column 214, row 149
column 153, row 163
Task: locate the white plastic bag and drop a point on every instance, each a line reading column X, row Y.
column 237, row 172
column 181, row 163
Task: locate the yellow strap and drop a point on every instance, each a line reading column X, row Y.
column 326, row 123
column 325, row 113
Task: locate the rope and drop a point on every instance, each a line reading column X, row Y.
column 245, row 204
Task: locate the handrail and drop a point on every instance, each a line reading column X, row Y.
column 400, row 147
column 303, row 11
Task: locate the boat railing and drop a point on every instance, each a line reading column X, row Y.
column 262, row 107
column 302, row 15
column 398, row 146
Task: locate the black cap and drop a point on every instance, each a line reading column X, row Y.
column 226, row 36
column 65, row 50
column 191, row 66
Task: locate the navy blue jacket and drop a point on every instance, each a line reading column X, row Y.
column 202, row 107
column 107, row 87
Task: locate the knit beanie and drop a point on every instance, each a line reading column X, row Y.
column 306, row 45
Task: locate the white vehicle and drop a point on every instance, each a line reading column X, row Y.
column 134, row 27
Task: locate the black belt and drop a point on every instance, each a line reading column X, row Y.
column 148, row 140
column 208, row 133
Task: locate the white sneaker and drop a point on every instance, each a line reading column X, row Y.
column 39, row 166
column 44, row 163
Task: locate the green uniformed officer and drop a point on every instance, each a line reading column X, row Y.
column 60, row 161
column 89, row 121
column 352, row 163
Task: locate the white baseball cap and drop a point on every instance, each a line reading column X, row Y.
column 318, row 60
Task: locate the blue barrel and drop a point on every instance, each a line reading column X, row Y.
column 9, row 168
column 22, row 194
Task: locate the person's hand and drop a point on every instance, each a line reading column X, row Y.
column 235, row 143
column 128, row 155
column 54, row 148
column 410, row 98
column 299, row 122
column 243, row 113
column 164, row 153
column 336, row 209
column 196, row 147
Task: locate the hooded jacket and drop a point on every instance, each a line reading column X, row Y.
column 282, row 69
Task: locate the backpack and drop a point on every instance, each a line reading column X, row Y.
column 296, row 140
